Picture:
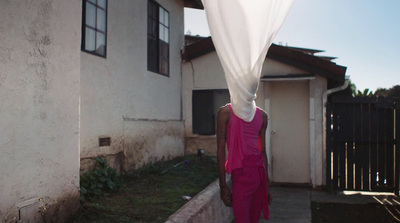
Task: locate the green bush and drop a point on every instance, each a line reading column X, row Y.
column 99, row 181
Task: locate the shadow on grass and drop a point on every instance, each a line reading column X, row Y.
column 153, row 193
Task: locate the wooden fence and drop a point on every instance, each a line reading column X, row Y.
column 362, row 154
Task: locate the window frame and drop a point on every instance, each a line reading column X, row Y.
column 95, row 29
column 155, row 45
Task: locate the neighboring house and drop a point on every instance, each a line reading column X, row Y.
column 293, row 85
column 82, row 79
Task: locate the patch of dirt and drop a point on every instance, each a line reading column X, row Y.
column 354, row 213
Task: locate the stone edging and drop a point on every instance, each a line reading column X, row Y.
column 204, row 207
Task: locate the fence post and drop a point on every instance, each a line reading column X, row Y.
column 328, row 145
column 397, row 159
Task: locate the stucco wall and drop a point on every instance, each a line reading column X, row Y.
column 208, row 72
column 149, row 141
column 317, row 152
column 122, row 100
column 273, row 67
column 39, row 95
column 200, row 73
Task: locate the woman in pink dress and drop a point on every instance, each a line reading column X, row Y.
column 246, row 162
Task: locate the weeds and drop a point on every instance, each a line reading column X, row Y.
column 152, row 193
column 100, row 181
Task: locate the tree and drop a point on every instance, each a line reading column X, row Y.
column 347, row 92
column 365, row 93
column 391, row 93
column 352, row 91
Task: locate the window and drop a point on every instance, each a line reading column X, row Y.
column 158, row 39
column 94, row 27
column 205, row 105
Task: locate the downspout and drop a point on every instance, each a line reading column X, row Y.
column 182, row 83
column 324, row 101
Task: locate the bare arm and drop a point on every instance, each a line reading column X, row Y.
column 262, row 138
column 263, row 147
column 222, row 122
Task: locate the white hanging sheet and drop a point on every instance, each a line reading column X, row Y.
column 242, row 32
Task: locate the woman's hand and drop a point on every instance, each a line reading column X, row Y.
column 226, row 196
column 269, row 199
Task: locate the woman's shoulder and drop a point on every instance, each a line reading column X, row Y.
column 224, row 113
column 225, row 109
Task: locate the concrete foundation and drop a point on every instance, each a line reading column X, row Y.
column 204, row 207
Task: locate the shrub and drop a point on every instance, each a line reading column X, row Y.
column 99, row 181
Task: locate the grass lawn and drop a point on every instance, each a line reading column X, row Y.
column 354, row 213
column 153, row 193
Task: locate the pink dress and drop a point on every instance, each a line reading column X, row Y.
column 245, row 163
column 242, row 139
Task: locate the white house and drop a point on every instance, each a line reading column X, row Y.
column 293, row 86
column 81, row 79
column 131, row 97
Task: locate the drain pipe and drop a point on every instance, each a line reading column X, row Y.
column 324, row 101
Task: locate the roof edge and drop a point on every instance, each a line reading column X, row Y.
column 198, row 49
column 195, row 4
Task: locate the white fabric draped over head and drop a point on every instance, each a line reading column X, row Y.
column 242, row 32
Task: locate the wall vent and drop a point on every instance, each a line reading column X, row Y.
column 104, row 141
column 29, row 211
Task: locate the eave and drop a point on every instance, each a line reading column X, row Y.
column 195, row 4
column 310, row 63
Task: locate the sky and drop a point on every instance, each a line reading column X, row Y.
column 364, row 35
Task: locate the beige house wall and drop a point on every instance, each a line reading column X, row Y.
column 139, row 110
column 273, row 67
column 39, row 121
column 198, row 74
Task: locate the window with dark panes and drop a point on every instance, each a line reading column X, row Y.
column 205, row 105
column 94, row 27
column 158, row 39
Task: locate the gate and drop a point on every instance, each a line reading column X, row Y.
column 361, row 153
